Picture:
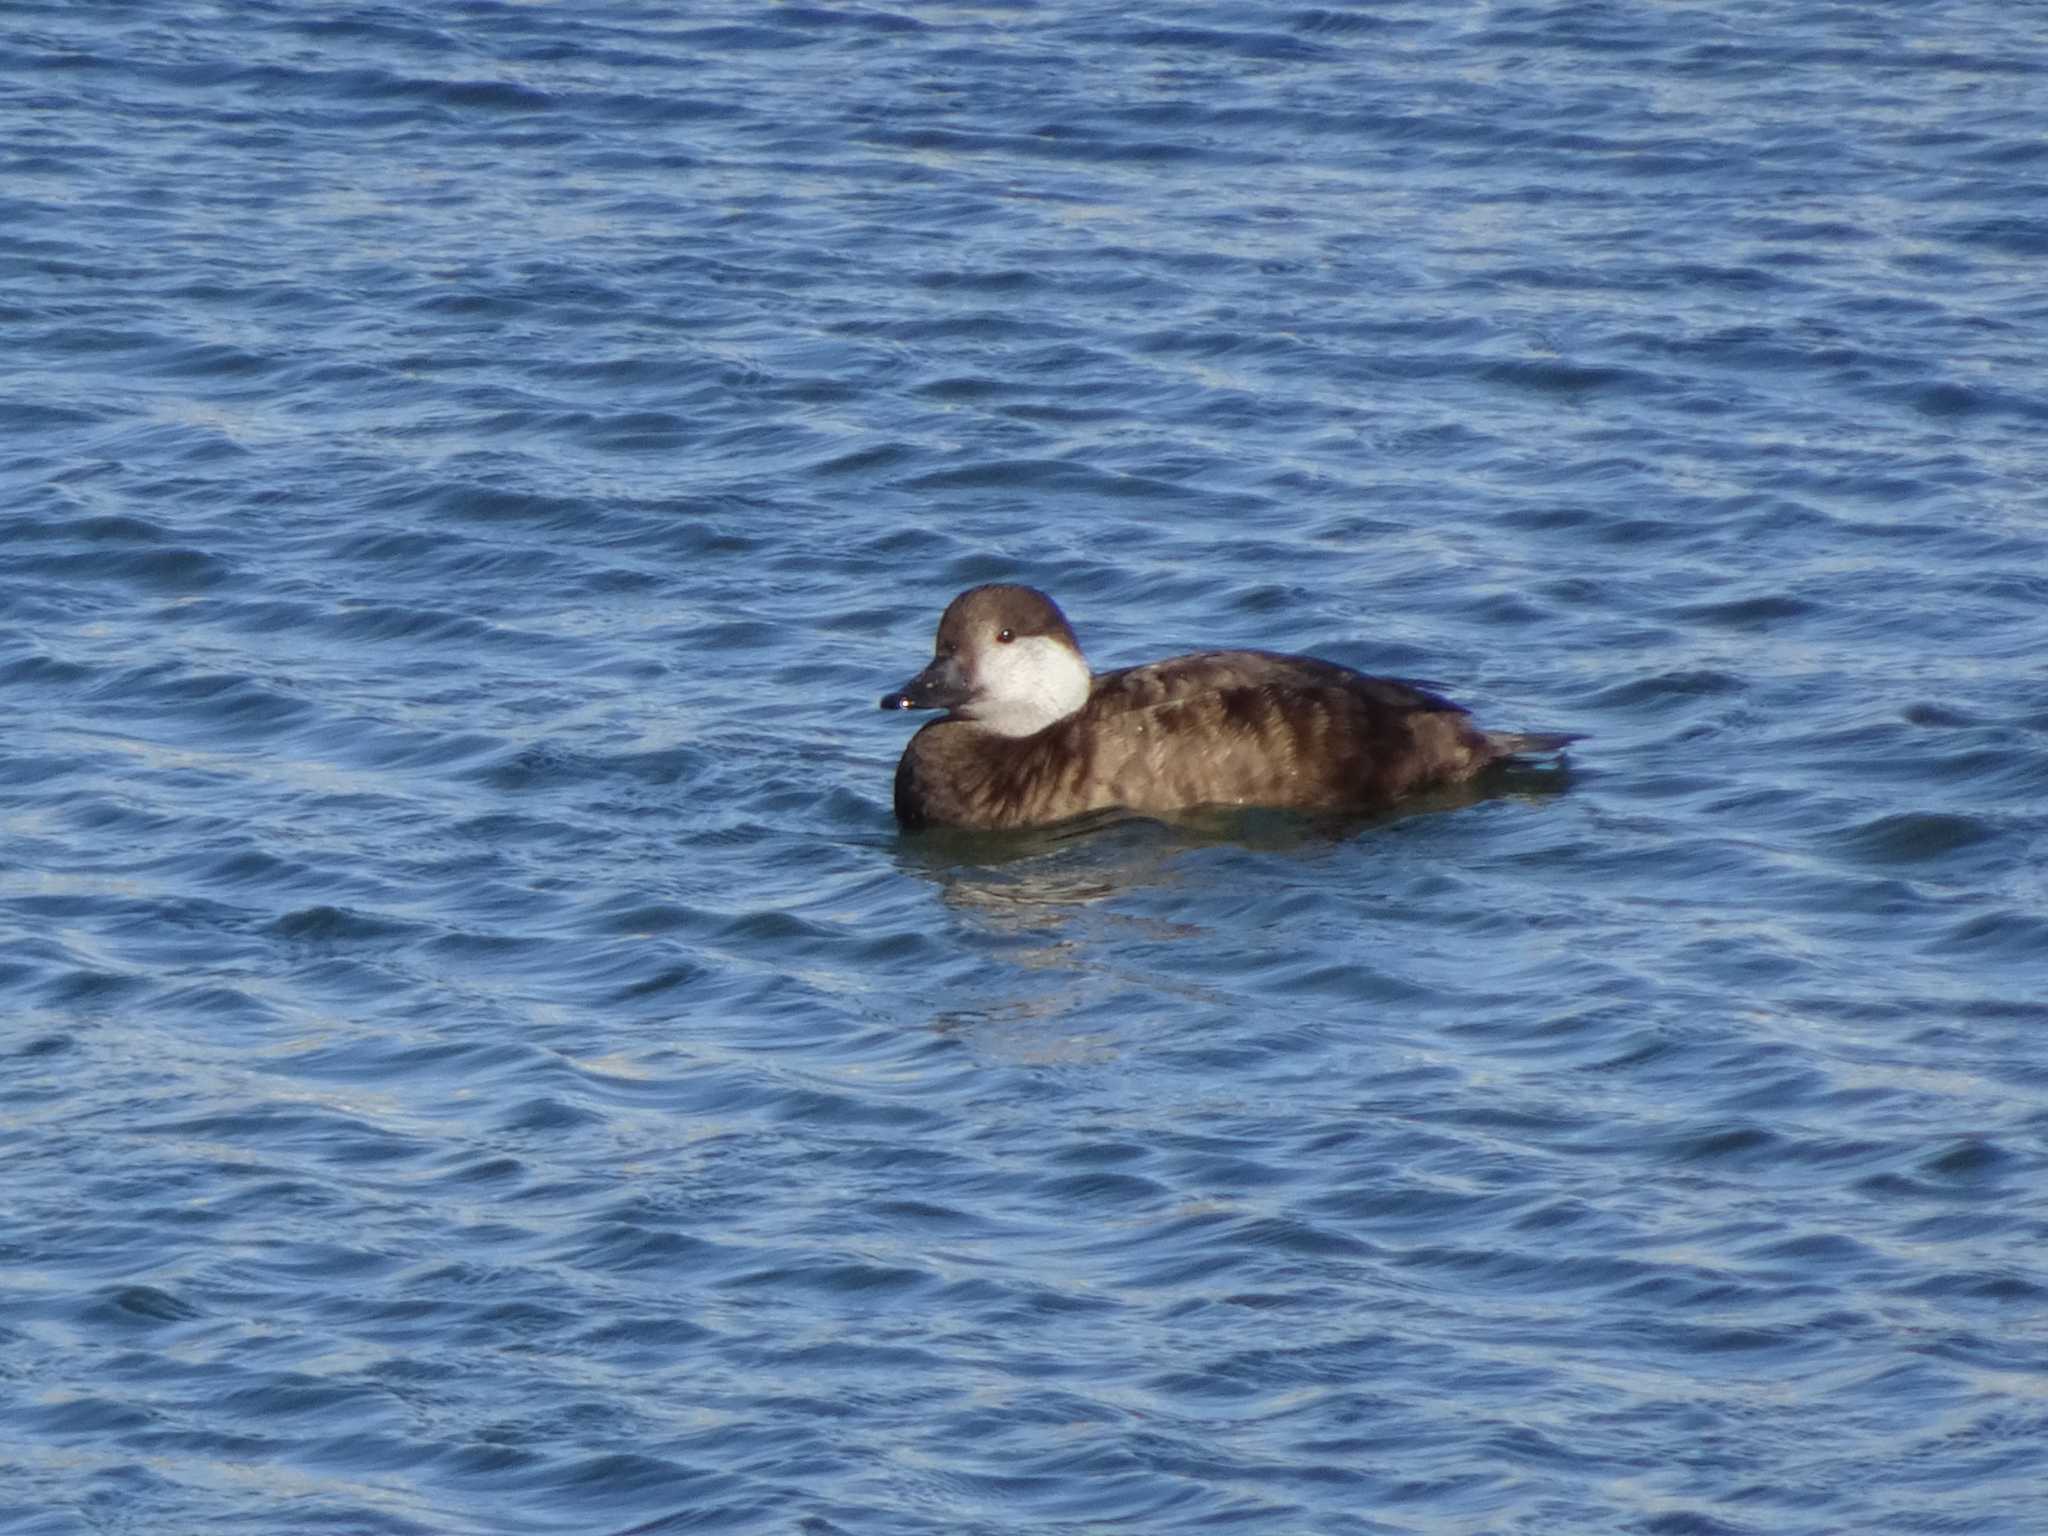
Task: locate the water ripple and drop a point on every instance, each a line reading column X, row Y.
column 483, row 1058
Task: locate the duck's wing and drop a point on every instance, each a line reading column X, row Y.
column 1258, row 728
column 1201, row 678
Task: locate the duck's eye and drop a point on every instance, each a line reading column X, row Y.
column 1005, row 636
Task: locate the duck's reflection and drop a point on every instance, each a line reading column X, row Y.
column 1091, row 899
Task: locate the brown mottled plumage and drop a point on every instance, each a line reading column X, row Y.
column 1031, row 738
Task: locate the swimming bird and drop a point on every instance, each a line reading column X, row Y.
column 1031, row 736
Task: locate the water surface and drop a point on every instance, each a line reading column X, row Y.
column 481, row 1057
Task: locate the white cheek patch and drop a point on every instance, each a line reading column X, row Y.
column 1026, row 685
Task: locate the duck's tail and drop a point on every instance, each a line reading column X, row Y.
column 1530, row 743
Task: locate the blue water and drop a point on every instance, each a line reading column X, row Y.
column 480, row 1057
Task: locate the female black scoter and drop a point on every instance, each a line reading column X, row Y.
column 1031, row 736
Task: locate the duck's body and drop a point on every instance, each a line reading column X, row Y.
column 1031, row 737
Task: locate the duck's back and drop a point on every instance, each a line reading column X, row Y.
column 1254, row 728
column 1217, row 728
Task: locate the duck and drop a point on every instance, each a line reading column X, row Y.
column 1032, row 736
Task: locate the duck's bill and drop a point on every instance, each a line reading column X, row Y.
column 938, row 686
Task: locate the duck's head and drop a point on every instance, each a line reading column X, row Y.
column 1006, row 659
